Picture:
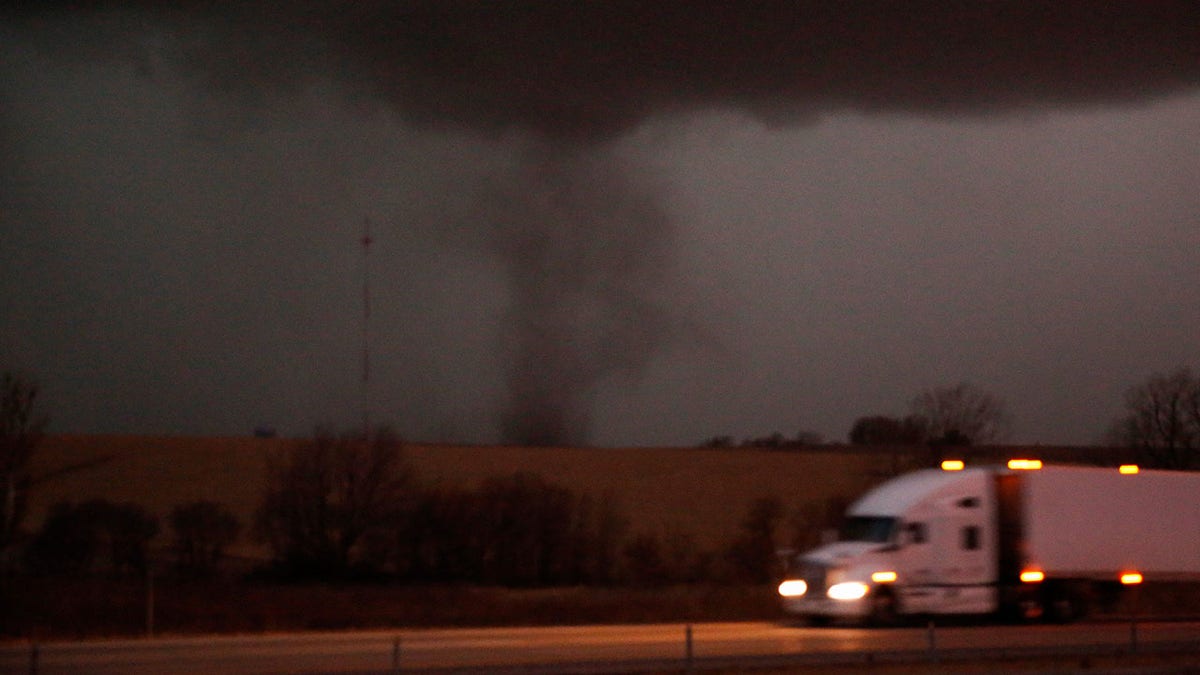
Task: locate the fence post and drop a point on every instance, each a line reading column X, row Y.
column 688, row 648
column 149, row 600
column 396, row 654
column 932, row 636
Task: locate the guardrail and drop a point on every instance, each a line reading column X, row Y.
column 817, row 661
column 687, row 660
column 931, row 654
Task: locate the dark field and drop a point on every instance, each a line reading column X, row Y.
column 54, row 609
column 700, row 493
column 96, row 608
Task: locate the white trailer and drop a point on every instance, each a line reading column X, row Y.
column 1022, row 540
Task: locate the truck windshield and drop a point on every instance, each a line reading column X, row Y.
column 874, row 529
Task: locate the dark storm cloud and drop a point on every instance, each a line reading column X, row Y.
column 584, row 69
column 580, row 239
column 581, row 69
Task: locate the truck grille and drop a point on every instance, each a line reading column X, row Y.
column 814, row 574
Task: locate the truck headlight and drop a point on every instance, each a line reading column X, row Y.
column 793, row 588
column 848, row 590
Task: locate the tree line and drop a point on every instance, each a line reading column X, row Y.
column 345, row 506
column 1160, row 423
column 340, row 507
column 100, row 537
column 957, row 415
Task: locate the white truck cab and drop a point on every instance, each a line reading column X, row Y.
column 1020, row 539
column 922, row 542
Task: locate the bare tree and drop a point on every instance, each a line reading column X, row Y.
column 961, row 415
column 752, row 555
column 1162, row 420
column 884, row 430
column 21, row 427
column 526, row 528
column 203, row 529
column 644, row 561
column 96, row 536
column 326, row 497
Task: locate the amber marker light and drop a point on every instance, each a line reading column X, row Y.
column 1129, row 469
column 953, row 465
column 1025, row 464
column 883, row 577
column 1032, row 576
column 1131, row 578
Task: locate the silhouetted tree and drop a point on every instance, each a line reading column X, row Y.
column 518, row 530
column 643, row 561
column 129, row 529
column 441, row 540
column 753, row 554
column 597, row 530
column 324, row 497
column 961, row 415
column 611, row 527
column 685, row 561
column 65, row 544
column 21, row 427
column 775, row 440
column 93, row 536
column 1162, row 420
column 778, row 440
column 884, row 430
column 203, row 529
column 808, row 522
column 806, row 437
column 526, row 525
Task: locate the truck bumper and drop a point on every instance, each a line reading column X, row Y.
column 819, row 606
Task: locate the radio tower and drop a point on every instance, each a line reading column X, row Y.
column 366, row 331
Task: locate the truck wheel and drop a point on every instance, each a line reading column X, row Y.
column 1066, row 602
column 883, row 608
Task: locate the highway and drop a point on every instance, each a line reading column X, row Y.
column 582, row 648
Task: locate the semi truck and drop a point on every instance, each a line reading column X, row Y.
column 1022, row 540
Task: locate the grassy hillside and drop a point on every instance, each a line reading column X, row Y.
column 701, row 492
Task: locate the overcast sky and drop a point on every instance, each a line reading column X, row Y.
column 597, row 224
